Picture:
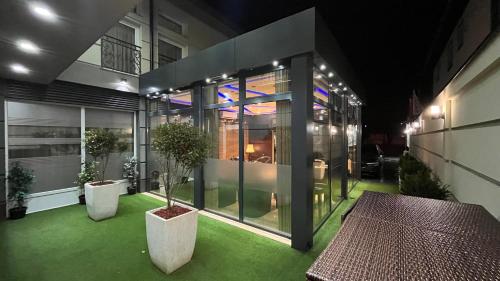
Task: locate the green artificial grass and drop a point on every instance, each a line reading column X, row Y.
column 64, row 244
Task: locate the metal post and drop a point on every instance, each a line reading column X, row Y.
column 199, row 194
column 242, row 96
column 301, row 75
column 345, row 157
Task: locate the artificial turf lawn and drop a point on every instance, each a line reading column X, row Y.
column 64, row 244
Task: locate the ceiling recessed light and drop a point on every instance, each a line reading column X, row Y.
column 148, row 95
column 330, row 74
column 224, row 76
column 208, row 80
column 275, row 63
column 43, row 12
column 27, row 46
column 345, row 89
column 322, row 67
column 157, row 93
column 171, row 90
column 19, row 68
column 340, row 84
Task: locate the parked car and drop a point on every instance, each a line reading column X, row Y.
column 372, row 160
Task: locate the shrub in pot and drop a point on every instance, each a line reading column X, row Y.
column 102, row 195
column 171, row 230
column 88, row 174
column 20, row 180
column 130, row 173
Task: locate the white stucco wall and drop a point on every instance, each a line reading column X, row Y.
column 464, row 148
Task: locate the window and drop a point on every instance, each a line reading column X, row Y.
column 169, row 24
column 168, row 53
column 118, row 50
column 276, row 82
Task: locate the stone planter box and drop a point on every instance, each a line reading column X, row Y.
column 171, row 242
column 102, row 200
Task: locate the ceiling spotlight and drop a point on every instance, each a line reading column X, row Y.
column 43, row 12
column 340, row 84
column 170, row 89
column 19, row 68
column 322, row 67
column 345, row 89
column 224, row 76
column 153, row 89
column 157, row 93
column 330, row 74
column 208, row 80
column 148, row 95
column 27, row 46
column 275, row 63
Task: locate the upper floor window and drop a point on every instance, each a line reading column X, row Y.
column 169, row 24
column 118, row 50
column 168, row 53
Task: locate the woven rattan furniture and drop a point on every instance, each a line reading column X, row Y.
column 397, row 237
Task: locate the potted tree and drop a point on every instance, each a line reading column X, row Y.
column 20, row 180
column 171, row 230
column 88, row 174
column 130, row 173
column 102, row 195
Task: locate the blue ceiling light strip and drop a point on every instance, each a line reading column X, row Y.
column 321, row 91
column 180, row 102
column 224, row 96
column 248, row 91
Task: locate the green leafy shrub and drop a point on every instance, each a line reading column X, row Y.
column 130, row 171
column 88, row 174
column 181, row 147
column 410, row 165
column 99, row 143
column 20, row 180
column 423, row 184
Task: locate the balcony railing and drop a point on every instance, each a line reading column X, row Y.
column 120, row 55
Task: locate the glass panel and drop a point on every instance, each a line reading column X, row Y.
column 268, row 84
column 336, row 185
column 221, row 172
column 321, row 154
column 321, row 87
column 267, row 167
column 168, row 53
column 45, row 139
column 181, row 100
column 221, row 92
column 122, row 125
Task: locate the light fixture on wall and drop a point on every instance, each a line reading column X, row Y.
column 416, row 124
column 436, row 112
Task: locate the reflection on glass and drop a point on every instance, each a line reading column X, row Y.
column 180, row 100
column 224, row 92
column 121, row 124
column 321, row 89
column 321, row 154
column 271, row 83
column 267, row 167
column 45, row 139
column 352, row 144
column 221, row 172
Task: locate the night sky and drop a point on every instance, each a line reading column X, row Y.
column 392, row 45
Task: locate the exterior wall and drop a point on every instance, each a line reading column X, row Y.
column 197, row 36
column 463, row 149
column 471, row 30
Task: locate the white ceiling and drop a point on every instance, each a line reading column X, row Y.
column 78, row 25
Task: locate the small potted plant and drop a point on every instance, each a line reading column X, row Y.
column 130, row 173
column 171, row 230
column 88, row 174
column 102, row 195
column 20, row 180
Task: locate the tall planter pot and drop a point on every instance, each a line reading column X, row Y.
column 102, row 200
column 171, row 242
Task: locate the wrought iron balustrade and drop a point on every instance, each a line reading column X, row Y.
column 119, row 55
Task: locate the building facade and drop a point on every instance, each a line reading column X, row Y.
column 458, row 134
column 281, row 108
column 44, row 124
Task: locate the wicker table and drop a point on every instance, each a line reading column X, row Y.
column 396, row 237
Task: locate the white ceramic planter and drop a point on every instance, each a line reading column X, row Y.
column 102, row 200
column 171, row 242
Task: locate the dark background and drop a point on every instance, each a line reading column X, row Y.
column 392, row 45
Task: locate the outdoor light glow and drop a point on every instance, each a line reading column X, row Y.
column 322, row 67
column 208, row 80
column 416, row 124
column 43, row 12
column 224, row 76
column 436, row 112
column 19, row 68
column 334, row 130
column 27, row 46
column 275, row 63
column 330, row 74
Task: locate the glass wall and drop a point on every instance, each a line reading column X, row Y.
column 352, row 132
column 321, row 164
column 45, row 139
column 175, row 108
column 122, row 125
